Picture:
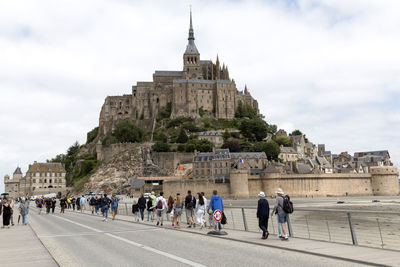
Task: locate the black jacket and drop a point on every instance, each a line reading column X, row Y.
column 263, row 208
column 142, row 203
column 135, row 208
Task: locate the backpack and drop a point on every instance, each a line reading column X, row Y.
column 159, row 205
column 191, row 204
column 287, row 204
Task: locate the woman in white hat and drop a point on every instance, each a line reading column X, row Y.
column 282, row 215
column 263, row 214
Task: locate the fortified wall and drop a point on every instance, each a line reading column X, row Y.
column 381, row 181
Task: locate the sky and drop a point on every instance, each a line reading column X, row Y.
column 329, row 68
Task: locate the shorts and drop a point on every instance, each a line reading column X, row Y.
column 114, row 209
column 282, row 217
column 189, row 213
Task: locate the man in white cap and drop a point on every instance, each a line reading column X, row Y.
column 282, row 215
column 263, row 214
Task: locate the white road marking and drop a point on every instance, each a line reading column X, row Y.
column 168, row 255
column 91, row 233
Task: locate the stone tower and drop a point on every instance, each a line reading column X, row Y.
column 191, row 57
column 384, row 180
column 239, row 179
column 17, row 176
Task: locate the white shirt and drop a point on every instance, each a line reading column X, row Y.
column 164, row 203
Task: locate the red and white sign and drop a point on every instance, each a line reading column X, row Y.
column 217, row 215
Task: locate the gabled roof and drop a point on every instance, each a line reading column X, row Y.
column 381, row 153
column 18, row 171
column 248, row 155
column 209, row 134
column 291, row 150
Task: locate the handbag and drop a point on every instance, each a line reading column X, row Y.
column 223, row 220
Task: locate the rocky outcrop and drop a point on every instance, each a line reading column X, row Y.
column 117, row 173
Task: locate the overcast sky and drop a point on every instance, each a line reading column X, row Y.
column 329, row 68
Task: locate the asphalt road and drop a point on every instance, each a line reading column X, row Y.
column 84, row 240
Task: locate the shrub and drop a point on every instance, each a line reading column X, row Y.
column 182, row 137
column 92, row 135
column 127, row 131
column 161, row 147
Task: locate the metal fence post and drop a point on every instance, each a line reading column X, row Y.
column 244, row 221
column 289, row 227
column 353, row 233
column 380, row 232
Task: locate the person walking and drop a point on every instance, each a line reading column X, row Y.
column 96, row 205
column 82, row 203
column 39, row 205
column 78, row 203
column 92, row 203
column 114, row 205
column 178, row 206
column 216, row 204
column 63, row 204
column 6, row 211
column 150, row 209
column 48, row 205
column 135, row 211
column 73, row 202
column 24, row 210
column 190, row 204
column 105, row 203
column 206, row 207
column 11, row 203
column 142, row 206
column 263, row 214
column 161, row 206
column 282, row 215
column 69, row 202
column 53, row 204
column 170, row 205
column 201, row 208
column 153, row 203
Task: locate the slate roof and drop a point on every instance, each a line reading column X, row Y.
column 303, row 168
column 381, row 153
column 288, row 150
column 191, row 48
column 248, row 155
column 18, row 171
column 220, row 154
column 209, row 134
column 46, row 167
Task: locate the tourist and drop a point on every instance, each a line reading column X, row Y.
column 11, row 203
column 201, row 208
column 63, row 204
column 263, row 214
column 39, row 205
column 24, row 210
column 153, row 203
column 73, row 202
column 160, row 207
column 170, row 205
column 190, row 204
column 92, row 203
column 150, row 209
column 78, row 203
column 216, row 204
column 48, row 205
column 105, row 203
column 96, row 205
column 142, row 205
column 178, row 206
column 206, row 207
column 82, row 203
column 282, row 215
column 6, row 211
column 114, row 205
column 69, row 202
column 53, row 204
column 135, row 211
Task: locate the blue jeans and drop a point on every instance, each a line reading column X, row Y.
column 142, row 214
column 104, row 210
column 24, row 217
column 150, row 215
column 96, row 208
column 279, row 226
column 263, row 224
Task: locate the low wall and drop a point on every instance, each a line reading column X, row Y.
column 182, row 186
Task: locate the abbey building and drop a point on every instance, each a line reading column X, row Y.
column 201, row 87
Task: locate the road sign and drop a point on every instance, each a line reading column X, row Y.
column 217, row 215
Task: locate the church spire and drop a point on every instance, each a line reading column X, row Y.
column 191, row 32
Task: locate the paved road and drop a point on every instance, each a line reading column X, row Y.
column 84, row 240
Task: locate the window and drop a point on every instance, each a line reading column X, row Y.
column 45, row 180
column 50, row 181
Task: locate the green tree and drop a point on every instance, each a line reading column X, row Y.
column 254, row 129
column 166, row 112
column 92, row 135
column 298, row 132
column 161, row 147
column 188, row 125
column 181, row 148
column 226, row 135
column 182, row 137
column 245, row 111
column 270, row 148
column 127, row 131
column 109, row 140
column 283, row 140
column 201, row 111
column 233, row 146
column 160, row 136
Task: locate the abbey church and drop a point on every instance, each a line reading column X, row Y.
column 201, row 87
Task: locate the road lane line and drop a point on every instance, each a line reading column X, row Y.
column 166, row 254
column 102, row 232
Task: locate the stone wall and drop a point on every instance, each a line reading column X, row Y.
column 169, row 160
column 174, row 187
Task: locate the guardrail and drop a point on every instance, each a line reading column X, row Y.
column 365, row 228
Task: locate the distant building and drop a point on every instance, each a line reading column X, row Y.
column 365, row 160
column 215, row 138
column 281, row 132
column 299, row 143
column 288, row 154
column 213, row 166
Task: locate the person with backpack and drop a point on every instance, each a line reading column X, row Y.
column 150, row 209
column 114, row 206
column 170, row 203
column 190, row 204
column 142, row 205
column 105, row 204
column 92, row 203
column 63, row 204
column 135, row 211
column 96, row 205
column 160, row 207
column 282, row 211
column 263, row 214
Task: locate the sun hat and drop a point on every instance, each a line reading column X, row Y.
column 262, row 194
column 279, row 191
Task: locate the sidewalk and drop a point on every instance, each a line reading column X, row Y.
column 20, row 246
column 357, row 254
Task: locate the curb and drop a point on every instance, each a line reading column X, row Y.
column 40, row 240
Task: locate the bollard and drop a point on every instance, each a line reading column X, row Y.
column 244, row 221
column 353, row 233
column 289, row 227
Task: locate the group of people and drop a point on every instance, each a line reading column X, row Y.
column 196, row 208
column 7, row 208
column 280, row 209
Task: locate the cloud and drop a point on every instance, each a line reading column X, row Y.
column 329, row 68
